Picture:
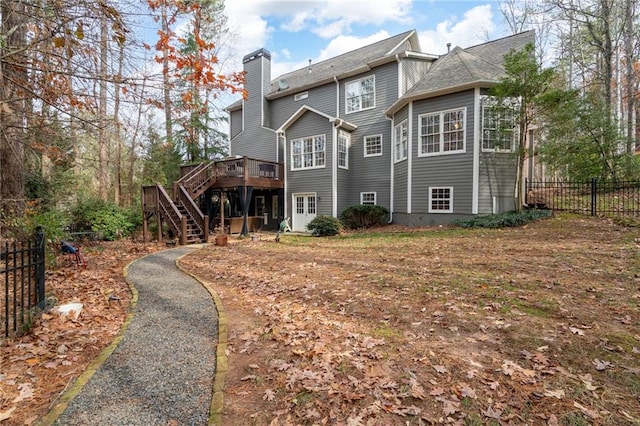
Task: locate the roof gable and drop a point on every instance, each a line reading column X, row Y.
column 462, row 69
column 304, row 109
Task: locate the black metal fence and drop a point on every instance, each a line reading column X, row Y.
column 22, row 266
column 592, row 197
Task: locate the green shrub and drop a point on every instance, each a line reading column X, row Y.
column 503, row 220
column 53, row 222
column 108, row 220
column 364, row 216
column 324, row 226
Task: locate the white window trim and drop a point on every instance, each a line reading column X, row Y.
column 358, row 81
column 432, row 210
column 375, row 197
column 395, row 144
column 300, row 96
column 364, row 139
column 291, row 141
column 347, row 137
column 442, row 152
column 515, row 131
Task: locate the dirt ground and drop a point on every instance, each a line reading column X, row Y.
column 532, row 325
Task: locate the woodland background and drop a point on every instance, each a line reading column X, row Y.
column 91, row 109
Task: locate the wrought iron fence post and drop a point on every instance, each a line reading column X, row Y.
column 40, row 262
column 594, row 191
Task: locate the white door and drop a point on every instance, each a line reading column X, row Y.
column 304, row 211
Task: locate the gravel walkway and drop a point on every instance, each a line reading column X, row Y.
column 162, row 371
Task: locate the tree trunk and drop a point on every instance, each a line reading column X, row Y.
column 13, row 78
column 166, row 80
column 116, row 122
column 103, row 137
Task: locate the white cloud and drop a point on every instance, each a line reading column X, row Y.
column 476, row 26
column 246, row 22
column 334, row 17
column 343, row 43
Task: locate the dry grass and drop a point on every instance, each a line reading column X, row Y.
column 533, row 325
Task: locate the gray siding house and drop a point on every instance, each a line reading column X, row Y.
column 385, row 124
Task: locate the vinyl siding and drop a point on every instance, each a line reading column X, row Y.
column 314, row 180
column 497, row 179
column 235, row 122
column 256, row 141
column 450, row 170
column 370, row 174
column 321, row 98
column 412, row 71
column 400, row 169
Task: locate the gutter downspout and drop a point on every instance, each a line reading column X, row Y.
column 409, row 158
column 337, row 96
column 334, row 171
column 399, row 75
column 391, row 180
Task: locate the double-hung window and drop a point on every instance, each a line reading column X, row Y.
column 360, row 94
column 308, row 153
column 368, row 198
column 372, row 145
column 400, row 142
column 498, row 125
column 440, row 199
column 442, row 132
column 343, row 149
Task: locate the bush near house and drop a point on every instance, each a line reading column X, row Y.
column 364, row 216
column 504, row 220
column 324, row 226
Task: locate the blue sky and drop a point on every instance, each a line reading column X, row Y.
column 295, row 31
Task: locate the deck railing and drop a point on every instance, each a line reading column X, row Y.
column 237, row 167
column 197, row 179
column 201, row 220
column 175, row 219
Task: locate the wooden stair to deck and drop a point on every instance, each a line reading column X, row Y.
column 181, row 213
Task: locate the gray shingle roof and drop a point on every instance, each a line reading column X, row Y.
column 494, row 51
column 342, row 65
column 480, row 65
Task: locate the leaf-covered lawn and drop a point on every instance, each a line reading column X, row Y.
column 37, row 367
column 533, row 325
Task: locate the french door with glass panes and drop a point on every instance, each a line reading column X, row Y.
column 304, row 211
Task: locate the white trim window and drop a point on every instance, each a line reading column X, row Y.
column 300, row 96
column 360, row 94
column 440, row 199
column 344, row 139
column 442, row 132
column 400, row 142
column 499, row 128
column 368, row 198
column 308, row 153
column 373, row 145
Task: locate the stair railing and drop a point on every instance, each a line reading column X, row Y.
column 201, row 220
column 195, row 182
column 177, row 221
